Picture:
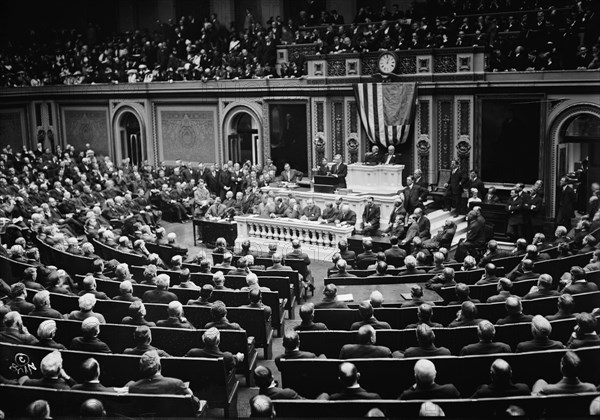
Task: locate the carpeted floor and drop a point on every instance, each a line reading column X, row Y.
column 185, row 237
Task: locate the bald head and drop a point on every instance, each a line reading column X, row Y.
column 425, row 372
column 500, row 372
column 347, row 374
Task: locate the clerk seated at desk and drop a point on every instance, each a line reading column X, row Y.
column 391, row 157
column 345, row 217
column 217, row 209
column 373, row 157
column 290, row 175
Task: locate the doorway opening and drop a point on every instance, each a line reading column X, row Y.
column 130, row 137
column 244, row 139
column 579, row 153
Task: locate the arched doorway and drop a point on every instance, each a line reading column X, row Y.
column 579, row 152
column 130, row 138
column 243, row 140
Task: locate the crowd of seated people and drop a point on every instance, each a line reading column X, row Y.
column 194, row 48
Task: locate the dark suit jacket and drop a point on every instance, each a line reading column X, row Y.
column 354, row 394
column 214, row 353
column 435, row 391
column 538, row 344
column 567, row 201
column 457, row 181
column 158, row 384
column 280, row 393
column 492, row 391
column 47, row 313
column 484, row 347
column 158, row 296
column 513, row 319
column 92, row 387
column 373, row 322
column 89, row 344
column 371, row 215
column 568, row 386
column 341, row 171
column 313, row 326
column 424, row 227
column 173, row 322
column 580, row 287
column 412, row 198
column 476, row 232
column 58, row 383
column 294, row 354
column 393, row 160
column 327, row 303
column 426, row 352
column 364, row 351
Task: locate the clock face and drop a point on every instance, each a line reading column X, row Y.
column 387, row 63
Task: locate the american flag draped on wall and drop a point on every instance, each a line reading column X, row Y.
column 386, row 110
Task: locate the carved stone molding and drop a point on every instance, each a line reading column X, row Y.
column 353, row 146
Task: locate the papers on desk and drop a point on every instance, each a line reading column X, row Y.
column 345, row 298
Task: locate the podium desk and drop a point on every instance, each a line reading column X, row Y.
column 209, row 230
column 383, row 179
column 325, row 184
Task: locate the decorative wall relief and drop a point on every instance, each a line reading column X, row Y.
column 337, row 117
column 423, row 147
column 188, row 134
column 87, row 126
column 463, row 149
column 352, row 145
column 445, row 133
column 11, row 129
column 319, row 143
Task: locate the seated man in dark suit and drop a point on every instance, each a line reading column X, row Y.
column 142, row 337
column 424, row 314
column 486, row 345
column 41, row 300
column 504, row 288
column 394, row 254
column 391, row 158
column 444, row 279
column 425, row 387
column 90, row 373
column 349, row 377
column 579, row 284
column 373, row 157
column 501, row 384
column 46, row 332
column 126, row 292
column 426, row 347
column 268, row 386
column 365, row 347
column 380, row 270
column 341, row 267
column 514, row 309
column 566, row 306
column 410, row 264
column 137, row 312
column 17, row 302
column 368, row 256
column 376, row 299
column 523, row 272
column 53, row 374
column 489, row 275
column 330, row 299
column 89, row 286
column 467, row 316
column 492, row 253
column 153, row 382
column 307, row 314
column 540, row 330
column 544, row 288
column 463, row 295
column 570, row 365
column 584, row 333
column 346, row 254
column 290, row 175
column 218, row 314
column 291, row 344
column 204, row 298
column 161, row 293
column 365, row 311
column 14, row 331
column 370, row 217
column 255, row 299
column 416, row 293
column 211, row 339
column 176, row 318
column 89, row 341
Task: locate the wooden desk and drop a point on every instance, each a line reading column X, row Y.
column 392, row 293
column 368, row 178
column 380, row 243
column 209, row 230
